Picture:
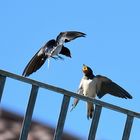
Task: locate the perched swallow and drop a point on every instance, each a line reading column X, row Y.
column 96, row 85
column 51, row 49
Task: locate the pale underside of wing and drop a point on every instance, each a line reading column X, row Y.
column 75, row 102
column 68, row 36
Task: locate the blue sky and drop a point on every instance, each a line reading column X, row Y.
column 111, row 48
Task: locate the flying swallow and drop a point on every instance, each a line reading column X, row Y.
column 52, row 49
column 97, row 85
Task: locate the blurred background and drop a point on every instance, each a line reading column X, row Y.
column 111, row 48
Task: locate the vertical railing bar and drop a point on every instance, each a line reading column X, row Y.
column 2, row 83
column 94, row 123
column 62, row 118
column 29, row 112
column 128, row 126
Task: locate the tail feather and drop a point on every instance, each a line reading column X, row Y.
column 90, row 109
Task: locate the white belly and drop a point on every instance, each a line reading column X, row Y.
column 56, row 50
column 89, row 88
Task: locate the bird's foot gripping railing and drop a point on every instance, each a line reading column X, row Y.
column 64, row 107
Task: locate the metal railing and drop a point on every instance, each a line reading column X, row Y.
column 64, row 108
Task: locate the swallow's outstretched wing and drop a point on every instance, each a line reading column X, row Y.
column 67, row 36
column 105, row 85
column 80, row 91
column 39, row 58
column 62, row 38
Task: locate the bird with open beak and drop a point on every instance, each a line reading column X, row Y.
column 52, row 49
column 97, row 85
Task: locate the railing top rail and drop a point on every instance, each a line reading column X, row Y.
column 69, row 93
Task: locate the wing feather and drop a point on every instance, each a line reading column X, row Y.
column 35, row 63
column 80, row 91
column 105, row 85
column 68, row 36
column 39, row 58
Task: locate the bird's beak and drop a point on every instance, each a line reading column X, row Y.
column 85, row 68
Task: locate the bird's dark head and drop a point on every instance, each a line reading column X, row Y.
column 51, row 42
column 87, row 71
column 68, row 54
column 65, row 51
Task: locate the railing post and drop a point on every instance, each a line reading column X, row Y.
column 29, row 112
column 94, row 123
column 62, row 118
column 2, row 83
column 128, row 126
